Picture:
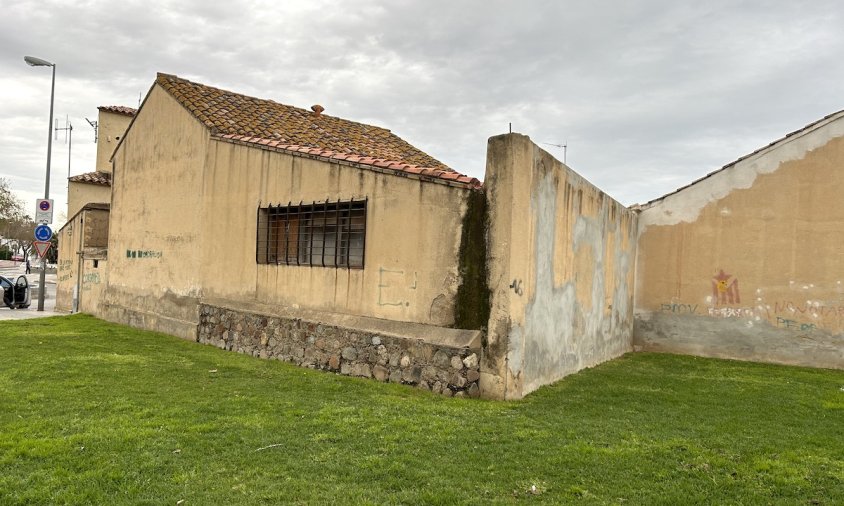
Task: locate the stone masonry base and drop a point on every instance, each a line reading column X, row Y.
column 442, row 369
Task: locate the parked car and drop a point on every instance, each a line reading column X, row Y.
column 15, row 295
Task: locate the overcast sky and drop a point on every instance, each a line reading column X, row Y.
column 649, row 95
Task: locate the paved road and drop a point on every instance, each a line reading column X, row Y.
column 12, row 271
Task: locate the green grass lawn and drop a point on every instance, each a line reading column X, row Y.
column 95, row 413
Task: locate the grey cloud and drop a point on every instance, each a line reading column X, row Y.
column 649, row 95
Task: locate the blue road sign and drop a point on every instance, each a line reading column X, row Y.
column 43, row 233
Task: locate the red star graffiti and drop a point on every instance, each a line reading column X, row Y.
column 725, row 288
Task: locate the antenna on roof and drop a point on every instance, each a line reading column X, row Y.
column 68, row 138
column 94, row 126
column 564, row 146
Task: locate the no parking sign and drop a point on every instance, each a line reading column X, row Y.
column 44, row 211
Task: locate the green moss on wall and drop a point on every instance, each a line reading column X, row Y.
column 473, row 295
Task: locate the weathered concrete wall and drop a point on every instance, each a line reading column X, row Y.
column 156, row 220
column 93, row 281
column 95, row 228
column 444, row 369
column 561, row 258
column 85, row 236
column 70, row 238
column 748, row 262
column 110, row 129
column 79, row 194
column 413, row 234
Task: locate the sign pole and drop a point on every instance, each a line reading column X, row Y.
column 42, row 278
column 38, row 62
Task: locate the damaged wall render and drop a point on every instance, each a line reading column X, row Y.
column 561, row 256
column 747, row 262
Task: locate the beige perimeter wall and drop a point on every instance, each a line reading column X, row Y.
column 561, row 258
column 749, row 262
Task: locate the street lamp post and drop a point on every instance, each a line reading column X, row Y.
column 38, row 62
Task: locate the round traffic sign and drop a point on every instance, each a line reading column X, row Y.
column 44, row 205
column 43, row 233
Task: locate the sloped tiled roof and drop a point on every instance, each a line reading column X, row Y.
column 269, row 125
column 99, row 178
column 118, row 109
column 377, row 163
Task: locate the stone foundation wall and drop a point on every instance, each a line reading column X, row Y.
column 442, row 369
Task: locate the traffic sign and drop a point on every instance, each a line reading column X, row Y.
column 43, row 232
column 44, row 211
column 41, row 247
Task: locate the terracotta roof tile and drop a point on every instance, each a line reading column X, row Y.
column 228, row 114
column 397, row 167
column 99, row 178
column 118, row 109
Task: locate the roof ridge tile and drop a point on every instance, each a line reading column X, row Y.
column 398, row 167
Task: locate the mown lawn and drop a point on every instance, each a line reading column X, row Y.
column 95, row 413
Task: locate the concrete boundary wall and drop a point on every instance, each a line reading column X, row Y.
column 561, row 257
column 747, row 263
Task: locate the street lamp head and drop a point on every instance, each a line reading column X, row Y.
column 37, row 62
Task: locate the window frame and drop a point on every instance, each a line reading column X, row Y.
column 320, row 234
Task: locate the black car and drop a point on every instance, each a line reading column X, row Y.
column 15, row 295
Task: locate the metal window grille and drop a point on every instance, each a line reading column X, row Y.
column 325, row 234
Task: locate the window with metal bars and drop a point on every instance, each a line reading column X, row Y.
column 325, row 234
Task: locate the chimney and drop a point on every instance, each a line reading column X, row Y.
column 317, row 109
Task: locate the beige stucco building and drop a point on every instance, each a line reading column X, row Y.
column 219, row 205
column 294, row 235
column 83, row 240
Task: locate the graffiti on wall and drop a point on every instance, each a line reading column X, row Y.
column 725, row 302
column 65, row 270
column 673, row 307
column 814, row 309
column 137, row 253
column 393, row 286
column 725, row 289
column 92, row 278
column 732, row 312
column 794, row 325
